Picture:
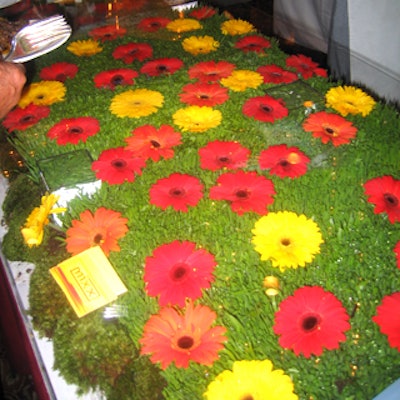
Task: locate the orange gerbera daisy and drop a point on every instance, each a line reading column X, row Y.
column 103, row 228
column 181, row 336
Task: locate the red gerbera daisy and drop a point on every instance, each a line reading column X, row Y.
column 397, row 252
column 59, row 71
column 131, row 52
column 115, row 77
column 73, row 130
column 388, row 319
column 246, row 191
column 153, row 24
column 305, row 66
column 203, row 12
column 330, row 128
column 103, row 228
column 161, row 66
column 275, row 74
column 117, row 165
column 108, row 32
column 178, row 191
column 22, row 118
column 204, row 94
column 181, row 336
column 218, row 155
column 284, row 161
column 264, row 108
column 149, row 142
column 384, row 193
column 310, row 320
column 211, row 71
column 177, row 271
column 253, row 43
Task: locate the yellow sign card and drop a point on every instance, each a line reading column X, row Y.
column 88, row 280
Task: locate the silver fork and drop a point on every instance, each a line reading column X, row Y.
column 38, row 38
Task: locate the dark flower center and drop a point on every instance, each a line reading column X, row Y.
column 27, row 118
column 242, row 194
column 75, row 130
column 155, row 144
column 285, row 242
column 247, row 397
column 177, row 192
column 117, row 80
column 98, row 239
column 162, row 68
column 266, row 108
column 305, row 66
column 204, row 96
column 223, row 159
column 277, row 74
column 133, row 51
column 310, row 323
column 40, row 96
column 155, row 25
column 330, row 131
column 61, row 77
column 185, row 342
column 119, row 163
column 391, row 200
column 179, row 272
column 284, row 163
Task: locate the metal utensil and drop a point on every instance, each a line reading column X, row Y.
column 38, row 38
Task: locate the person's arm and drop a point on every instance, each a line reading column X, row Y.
column 12, row 81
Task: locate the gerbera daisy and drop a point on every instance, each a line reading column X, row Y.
column 102, row 228
column 284, row 161
column 388, row 318
column 177, row 191
column 197, row 119
column 136, row 103
column 73, row 130
column 149, row 142
column 242, row 79
column 211, row 71
column 178, row 271
column 253, row 43
column 223, row 155
column 305, row 66
column 275, row 74
column 397, row 253
column 107, row 32
column 310, row 320
column 181, row 25
column 287, row 239
column 246, row 191
column 117, row 165
column 174, row 336
column 196, row 45
column 349, row 100
column 236, row 27
column 22, row 118
column 115, row 77
column 153, row 24
column 330, row 128
column 85, row 48
column 265, row 109
column 43, row 93
column 131, row 52
column 59, row 71
column 384, row 193
column 203, row 12
column 161, row 66
column 204, row 94
column 251, row 379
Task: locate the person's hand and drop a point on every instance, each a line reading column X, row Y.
column 12, row 81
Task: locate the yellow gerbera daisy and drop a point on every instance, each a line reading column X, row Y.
column 33, row 229
column 236, row 27
column 287, row 239
column 254, row 379
column 183, row 25
column 349, row 100
column 242, row 79
column 85, row 48
column 200, row 45
column 43, row 93
column 136, row 103
column 197, row 119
